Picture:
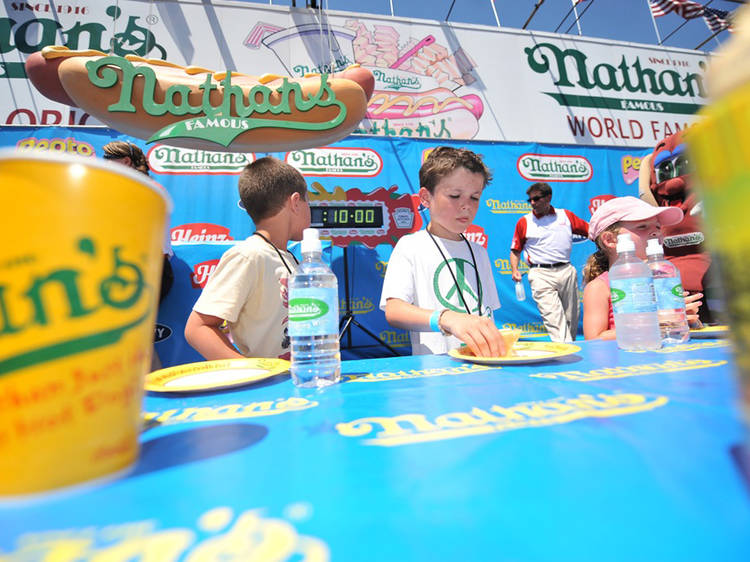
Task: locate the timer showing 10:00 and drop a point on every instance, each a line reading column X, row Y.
column 341, row 216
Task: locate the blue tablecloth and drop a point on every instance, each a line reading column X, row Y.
column 601, row 455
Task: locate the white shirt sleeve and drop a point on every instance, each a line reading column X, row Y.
column 399, row 282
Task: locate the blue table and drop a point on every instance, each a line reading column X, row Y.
column 602, row 455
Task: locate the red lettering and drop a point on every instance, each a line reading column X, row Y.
column 632, row 130
column 598, row 124
column 50, row 113
column 576, row 127
column 622, row 133
column 16, row 112
column 654, row 130
column 610, row 126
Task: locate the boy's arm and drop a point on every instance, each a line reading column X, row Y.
column 203, row 333
column 596, row 311
column 478, row 332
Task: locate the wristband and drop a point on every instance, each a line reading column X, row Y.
column 434, row 318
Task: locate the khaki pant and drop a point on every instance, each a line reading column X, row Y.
column 555, row 291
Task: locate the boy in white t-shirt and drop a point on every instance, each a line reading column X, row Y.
column 438, row 285
column 248, row 288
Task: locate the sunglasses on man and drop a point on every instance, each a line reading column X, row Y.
column 536, row 198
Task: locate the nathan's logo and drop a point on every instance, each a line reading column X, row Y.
column 356, row 162
column 596, row 202
column 198, row 232
column 503, row 266
column 305, row 309
column 570, row 68
column 534, row 167
column 172, row 160
column 201, row 272
column 395, row 338
column 361, row 305
column 161, row 333
column 502, row 207
column 35, row 33
column 395, row 80
column 69, row 145
column 216, row 124
column 103, row 284
column 616, row 294
column 631, row 166
column 380, row 267
column 476, row 234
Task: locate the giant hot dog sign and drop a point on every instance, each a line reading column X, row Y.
column 198, row 108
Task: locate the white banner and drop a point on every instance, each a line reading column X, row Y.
column 433, row 80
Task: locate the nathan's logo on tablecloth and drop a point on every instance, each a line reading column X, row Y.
column 380, row 376
column 380, row 267
column 475, row 233
column 407, row 429
column 201, row 272
column 571, row 68
column 67, row 145
column 596, row 202
column 631, row 166
column 601, row 373
column 327, row 161
column 498, row 207
column 200, row 232
column 195, row 414
column 173, row 160
column 215, row 533
column 549, row 167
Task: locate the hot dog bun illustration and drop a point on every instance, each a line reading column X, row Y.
column 407, row 109
column 200, row 108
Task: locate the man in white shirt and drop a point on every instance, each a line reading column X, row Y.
column 546, row 236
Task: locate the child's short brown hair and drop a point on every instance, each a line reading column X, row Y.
column 266, row 184
column 443, row 160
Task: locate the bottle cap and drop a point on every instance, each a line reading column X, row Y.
column 311, row 241
column 625, row 243
column 653, row 248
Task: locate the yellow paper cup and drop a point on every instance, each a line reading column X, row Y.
column 80, row 267
column 720, row 148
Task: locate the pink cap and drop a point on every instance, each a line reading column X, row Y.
column 630, row 208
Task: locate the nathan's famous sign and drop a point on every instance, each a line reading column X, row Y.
column 667, row 86
column 202, row 108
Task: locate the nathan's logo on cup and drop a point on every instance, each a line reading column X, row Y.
column 596, row 202
column 201, row 272
column 550, row 167
column 476, row 234
column 105, row 286
column 503, row 207
column 304, row 309
column 66, row 145
column 631, row 166
column 172, row 160
column 353, row 162
column 198, row 232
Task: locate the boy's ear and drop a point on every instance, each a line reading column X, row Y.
column 295, row 199
column 425, row 197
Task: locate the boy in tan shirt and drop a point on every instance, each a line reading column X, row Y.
column 248, row 288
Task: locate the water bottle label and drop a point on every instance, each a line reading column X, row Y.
column 632, row 295
column 668, row 294
column 313, row 311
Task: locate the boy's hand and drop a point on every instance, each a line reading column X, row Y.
column 692, row 304
column 477, row 332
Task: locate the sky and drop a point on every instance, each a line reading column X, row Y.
column 623, row 20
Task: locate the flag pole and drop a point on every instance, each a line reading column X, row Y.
column 575, row 12
column 494, row 10
column 653, row 19
column 536, row 7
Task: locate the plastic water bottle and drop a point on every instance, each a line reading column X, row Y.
column 314, row 318
column 668, row 286
column 520, row 291
column 631, row 287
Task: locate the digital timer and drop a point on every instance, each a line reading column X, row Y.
column 340, row 216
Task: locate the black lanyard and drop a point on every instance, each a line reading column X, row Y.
column 476, row 272
column 278, row 252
